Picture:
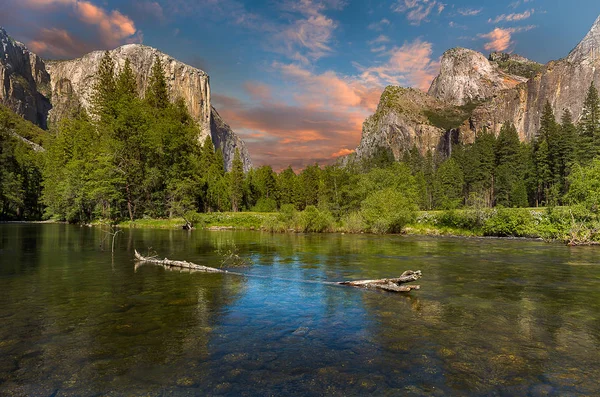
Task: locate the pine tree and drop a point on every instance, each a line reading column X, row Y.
column 567, row 150
column 126, row 85
column 288, row 187
column 157, row 94
column 237, row 181
column 104, row 91
column 589, row 126
column 448, row 185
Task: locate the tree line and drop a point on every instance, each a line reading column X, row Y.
column 135, row 156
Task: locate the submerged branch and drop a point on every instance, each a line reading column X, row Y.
column 180, row 264
column 386, row 284
column 389, row 284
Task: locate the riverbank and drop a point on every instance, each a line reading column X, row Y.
column 570, row 225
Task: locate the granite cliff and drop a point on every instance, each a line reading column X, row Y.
column 563, row 83
column 25, row 83
column 472, row 92
column 468, row 76
column 43, row 91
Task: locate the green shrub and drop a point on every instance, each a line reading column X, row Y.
column 315, row 220
column 265, row 205
column 195, row 219
column 387, row 211
column 467, row 219
column 353, row 223
column 513, row 222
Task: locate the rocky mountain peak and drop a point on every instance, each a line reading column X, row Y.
column 468, row 76
column 588, row 50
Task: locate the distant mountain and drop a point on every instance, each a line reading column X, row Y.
column 472, row 92
column 43, row 91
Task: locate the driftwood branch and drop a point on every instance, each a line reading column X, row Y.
column 389, row 284
column 180, row 264
column 386, row 284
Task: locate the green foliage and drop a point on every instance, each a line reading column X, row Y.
column 157, row 94
column 237, row 182
column 523, row 69
column 388, row 211
column 314, row 220
column 585, row 186
column 509, row 223
column 450, row 118
column 265, row 205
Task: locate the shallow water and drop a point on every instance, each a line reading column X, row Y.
column 493, row 317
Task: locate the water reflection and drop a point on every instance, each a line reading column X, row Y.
column 492, row 318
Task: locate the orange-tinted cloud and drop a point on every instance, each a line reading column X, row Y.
column 296, row 135
column 410, row 65
column 57, row 42
column 113, row 28
column 258, row 91
column 500, row 39
column 342, row 152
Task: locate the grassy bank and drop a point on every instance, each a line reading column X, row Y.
column 571, row 225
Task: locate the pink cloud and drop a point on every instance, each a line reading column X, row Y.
column 114, row 26
column 500, row 39
column 417, row 11
column 342, row 152
column 512, row 17
column 409, row 65
column 258, row 91
column 57, row 42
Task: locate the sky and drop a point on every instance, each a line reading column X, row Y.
column 296, row 79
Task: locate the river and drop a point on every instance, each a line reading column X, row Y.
column 493, row 317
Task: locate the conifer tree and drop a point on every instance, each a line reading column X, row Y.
column 237, row 182
column 589, row 127
column 287, row 185
column 157, row 94
column 126, row 85
column 104, row 91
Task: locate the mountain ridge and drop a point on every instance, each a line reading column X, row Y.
column 69, row 83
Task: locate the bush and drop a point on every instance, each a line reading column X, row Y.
column 314, row 220
column 353, row 223
column 467, row 219
column 265, row 205
column 387, row 211
column 513, row 222
column 195, row 219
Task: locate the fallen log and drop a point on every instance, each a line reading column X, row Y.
column 389, row 284
column 180, row 264
column 386, row 284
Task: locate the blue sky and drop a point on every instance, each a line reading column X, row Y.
column 296, row 78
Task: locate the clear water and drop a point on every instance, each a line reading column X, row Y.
column 493, row 317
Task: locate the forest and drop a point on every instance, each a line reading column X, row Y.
column 133, row 157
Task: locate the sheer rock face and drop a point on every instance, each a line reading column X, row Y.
column 468, row 76
column 401, row 122
column 224, row 138
column 24, row 82
column 563, row 83
column 77, row 77
column 28, row 83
